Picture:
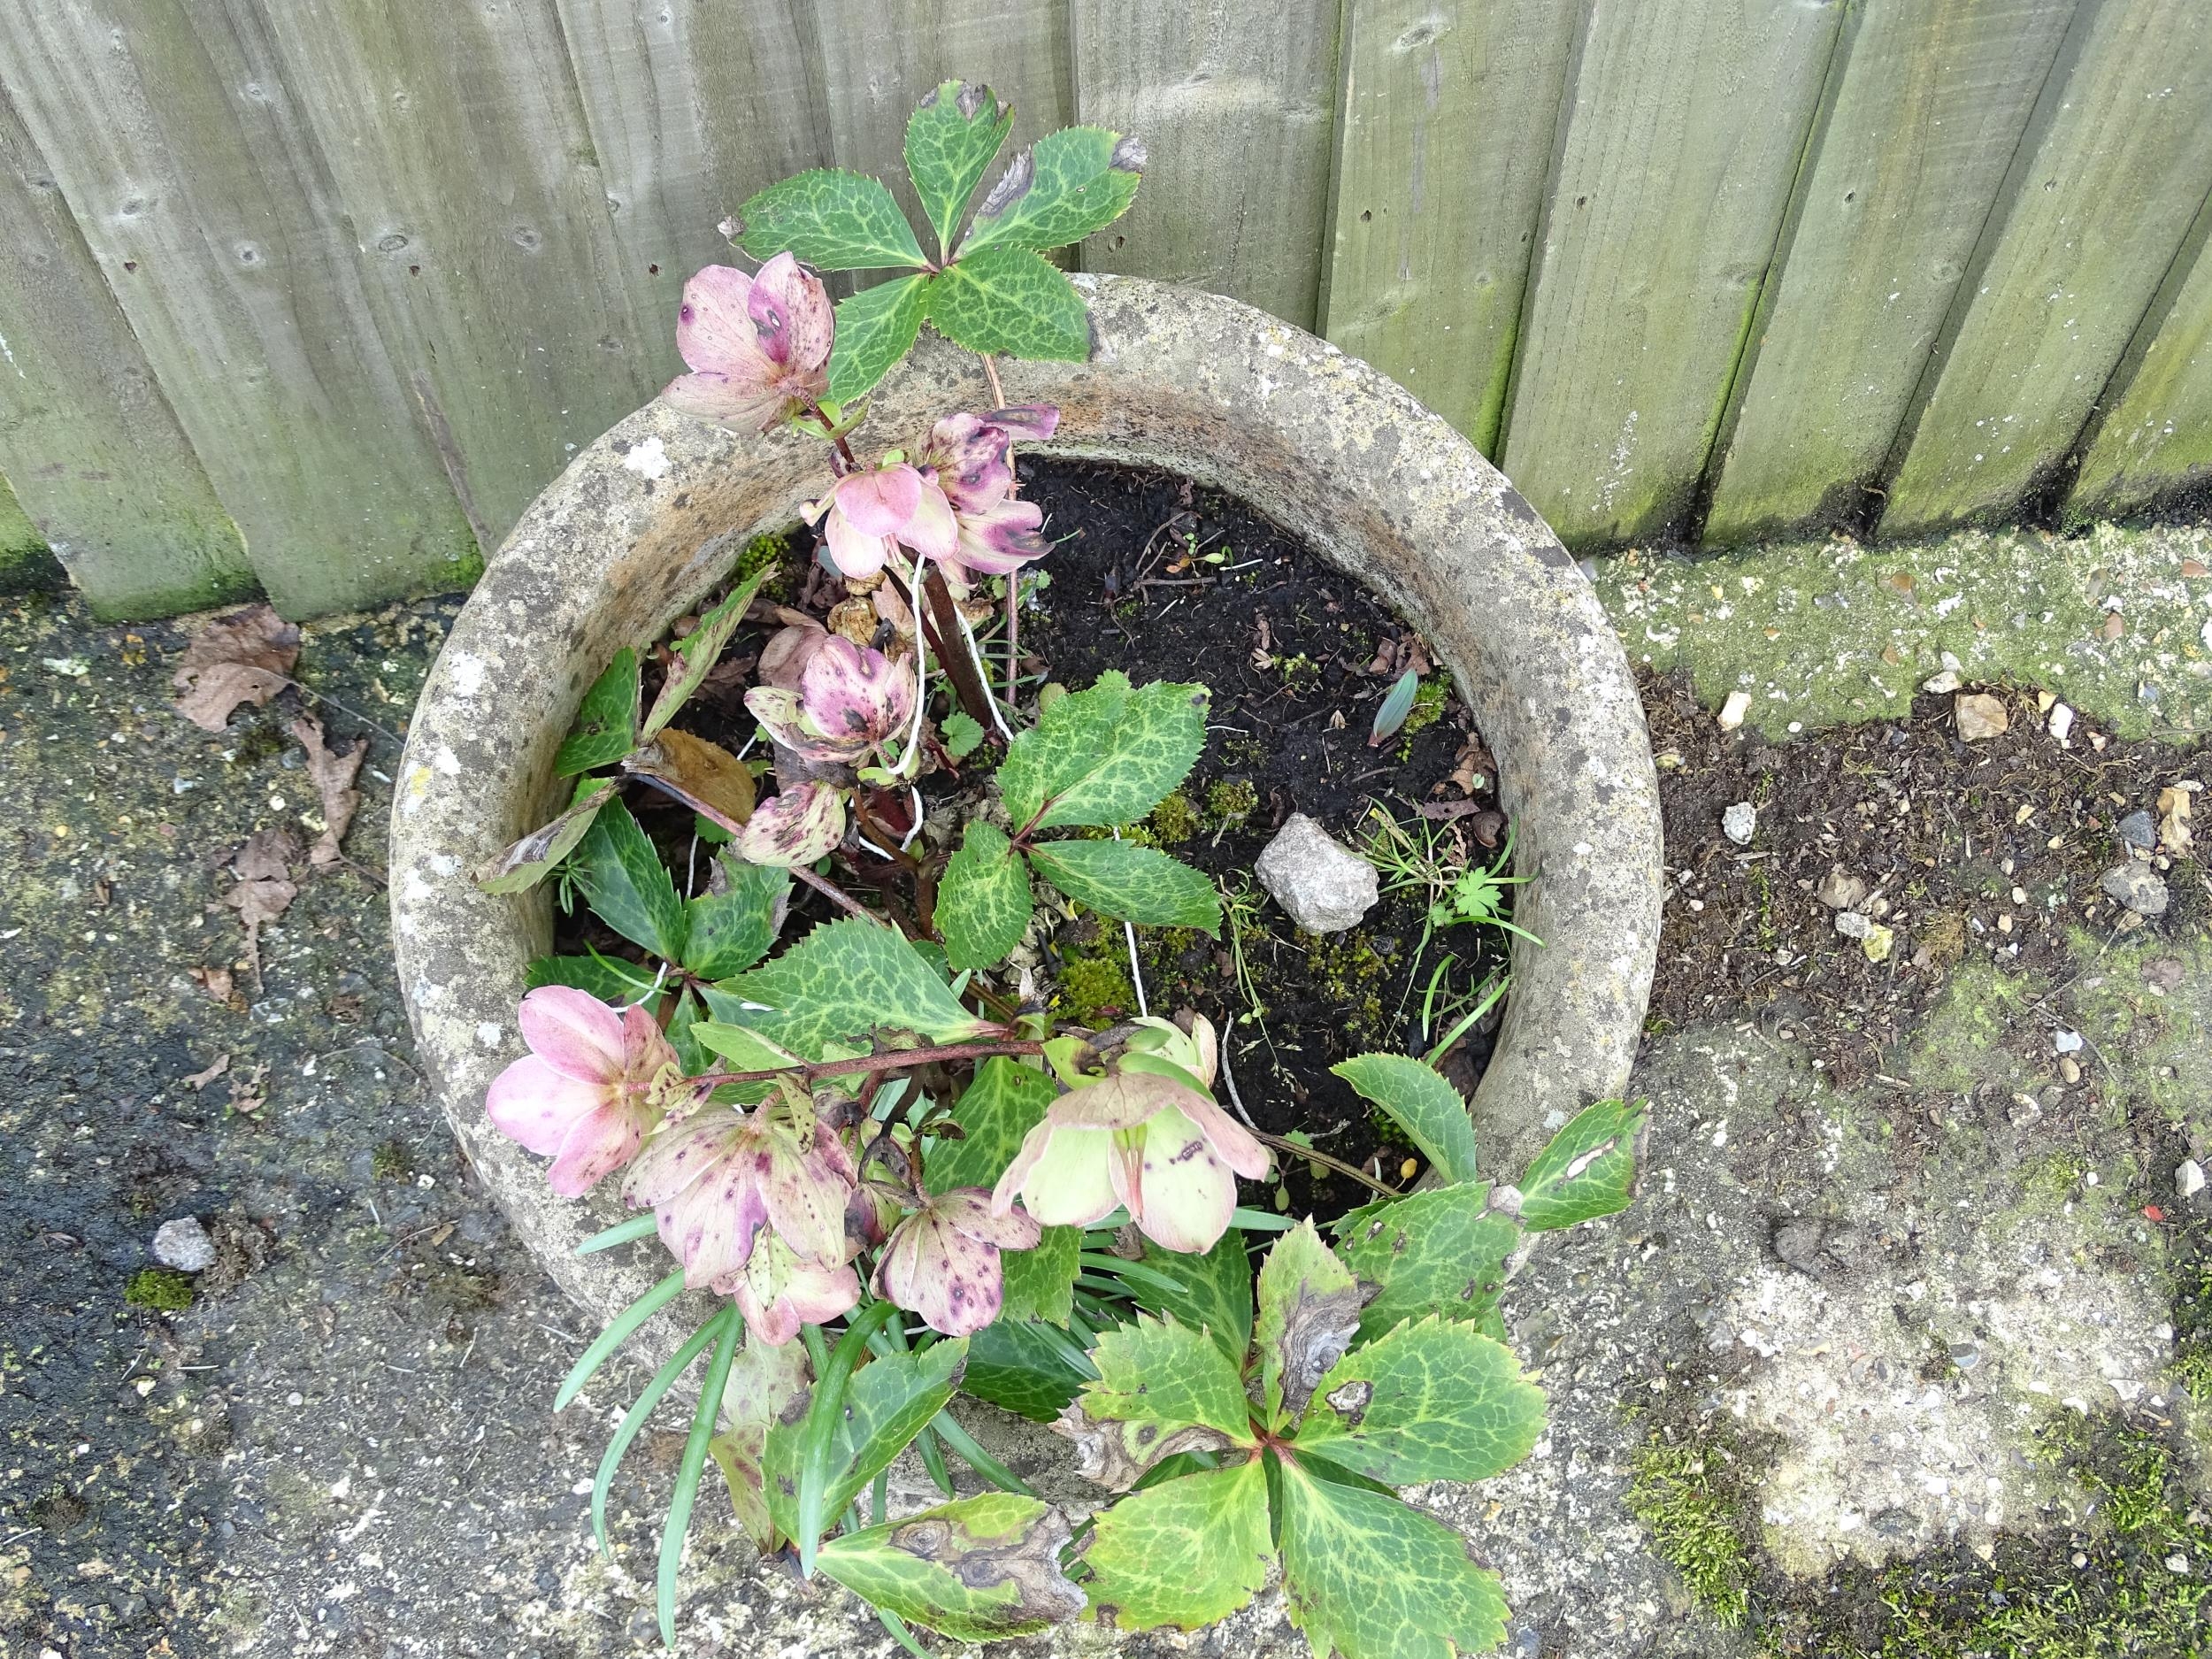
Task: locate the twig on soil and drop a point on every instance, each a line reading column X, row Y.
column 1299, row 1150
column 1229, row 1076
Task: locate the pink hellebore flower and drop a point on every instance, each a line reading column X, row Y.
column 757, row 346
column 594, row 1082
column 778, row 1290
column 867, row 515
column 719, row 1177
column 943, row 1262
column 1135, row 1138
column 972, row 458
column 850, row 699
column 795, row 827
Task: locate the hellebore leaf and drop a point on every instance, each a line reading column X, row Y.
column 1014, row 301
column 1423, row 1103
column 1430, row 1401
column 1005, row 1103
column 1059, row 190
column 704, row 776
column 1589, row 1169
column 843, row 981
column 1370, row 1578
column 698, row 651
column 1442, row 1251
column 983, row 900
column 1309, row 1309
column 1011, row 1366
column 623, row 877
column 831, row 220
column 764, row 1382
column 609, row 979
column 530, row 860
column 949, row 140
column 735, row 922
column 1105, row 756
column 976, row 1570
column 889, row 1401
column 741, row 1050
column 1131, row 883
column 1185, row 1553
column 875, row 328
column 1215, row 1294
column 606, row 723
column 1163, row 1389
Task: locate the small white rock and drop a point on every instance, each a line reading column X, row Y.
column 1942, row 683
column 2066, row 1041
column 1733, row 711
column 184, row 1245
column 1739, row 823
column 1324, row 885
column 2062, row 723
column 2189, row 1178
column 1851, row 924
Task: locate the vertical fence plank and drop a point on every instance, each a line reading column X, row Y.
column 97, row 460
column 25, row 561
column 1930, row 108
column 458, row 152
column 1684, row 127
column 2114, row 167
column 1236, row 109
column 2156, row 439
column 199, row 192
column 873, row 77
column 691, row 108
column 1444, row 142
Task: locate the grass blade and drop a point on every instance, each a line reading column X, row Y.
column 1466, row 1020
column 989, row 1467
column 1395, row 707
column 1135, row 1273
column 687, row 1492
column 1258, row 1221
column 622, row 1233
column 822, row 1418
column 633, row 1420
column 896, row 1625
column 619, row 1331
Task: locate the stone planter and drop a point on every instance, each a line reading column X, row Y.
column 644, row 522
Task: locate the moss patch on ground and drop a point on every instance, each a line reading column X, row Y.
column 1699, row 1502
column 1821, row 633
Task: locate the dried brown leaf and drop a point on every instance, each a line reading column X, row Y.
column 703, row 775
column 333, row 776
column 201, row 1079
column 267, row 855
column 243, row 656
column 215, row 981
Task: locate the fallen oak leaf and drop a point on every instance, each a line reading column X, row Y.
column 201, row 1079
column 243, row 656
column 267, row 855
column 215, row 981
column 333, row 776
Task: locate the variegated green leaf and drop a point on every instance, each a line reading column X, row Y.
column 1214, row 1294
column 609, row 979
column 620, row 874
column 1168, row 1375
column 698, row 651
column 889, row 1401
column 950, row 141
column 1011, row 1366
column 875, row 328
column 1003, row 1104
column 1423, row 1103
column 1308, row 1310
column 1011, row 300
column 1589, row 1169
column 976, row 1570
column 1059, row 190
column 832, row 219
column 1442, row 1251
column 1104, row 755
column 983, row 899
column 735, row 922
column 843, row 982
column 606, row 725
column 1436, row 1400
column 1185, row 1553
column 1131, row 883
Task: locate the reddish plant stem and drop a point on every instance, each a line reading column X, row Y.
column 836, row 895
column 953, row 655
column 844, row 452
column 894, row 1060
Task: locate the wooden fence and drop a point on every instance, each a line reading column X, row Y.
column 314, row 296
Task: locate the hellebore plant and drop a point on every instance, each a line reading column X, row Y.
column 884, row 1171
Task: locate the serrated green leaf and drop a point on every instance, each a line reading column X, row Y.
column 875, row 328
column 832, row 219
column 532, row 858
column 889, row 1402
column 742, row 1049
column 983, row 899
column 949, row 140
column 1370, row 1578
column 843, row 981
column 1005, row 1102
column 606, row 725
column 976, row 1570
column 1589, row 1169
column 1167, row 1375
column 620, row 872
column 698, row 651
column 1040, row 1282
column 1442, row 1251
column 1104, row 755
column 1059, row 190
column 960, row 734
column 691, row 1054
column 1436, row 1400
column 1131, row 883
column 1014, row 301
column 1185, row 1553
column 1309, row 1310
column 733, row 929
column 1423, row 1103
column 609, row 979
column 1013, row 1367
column 1216, row 1293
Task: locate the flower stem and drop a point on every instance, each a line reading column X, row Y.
column 1298, row 1149
column 836, row 895
column 892, row 1061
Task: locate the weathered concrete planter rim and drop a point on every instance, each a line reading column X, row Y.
column 648, row 518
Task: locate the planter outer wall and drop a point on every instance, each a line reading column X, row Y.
column 650, row 516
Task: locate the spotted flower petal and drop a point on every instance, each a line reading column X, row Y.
column 778, row 1292
column 1183, row 1194
column 943, row 1261
column 595, row 1082
column 795, row 827
column 792, row 320
column 573, row 1032
column 855, row 696
column 1000, row 538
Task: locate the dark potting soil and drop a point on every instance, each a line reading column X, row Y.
column 1162, row 580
